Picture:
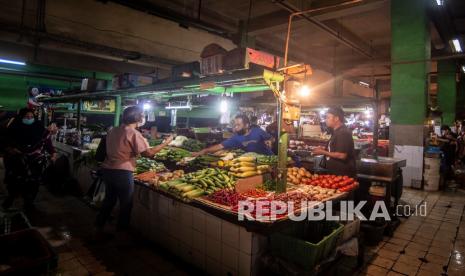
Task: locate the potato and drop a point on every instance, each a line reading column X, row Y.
column 308, row 174
column 302, row 172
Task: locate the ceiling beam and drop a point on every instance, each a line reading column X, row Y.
column 278, row 20
column 347, row 34
column 297, row 55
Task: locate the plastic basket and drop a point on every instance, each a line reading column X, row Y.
column 26, row 252
column 306, row 244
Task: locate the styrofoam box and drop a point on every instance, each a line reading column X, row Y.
column 351, row 227
column 432, row 184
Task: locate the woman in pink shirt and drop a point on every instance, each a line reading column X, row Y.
column 123, row 145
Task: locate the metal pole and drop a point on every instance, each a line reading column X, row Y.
column 118, row 108
column 78, row 115
column 375, row 120
column 282, row 152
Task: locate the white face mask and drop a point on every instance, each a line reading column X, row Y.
column 141, row 124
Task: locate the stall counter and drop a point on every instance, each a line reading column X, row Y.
column 81, row 173
column 206, row 241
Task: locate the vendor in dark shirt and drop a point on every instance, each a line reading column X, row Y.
column 340, row 153
column 246, row 138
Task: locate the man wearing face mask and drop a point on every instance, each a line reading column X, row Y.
column 123, row 145
column 246, row 138
column 26, row 142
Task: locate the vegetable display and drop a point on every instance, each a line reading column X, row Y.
column 226, row 197
column 178, row 141
column 155, row 142
column 155, row 178
column 149, row 177
column 246, row 166
column 198, row 183
column 255, row 193
column 171, row 154
column 295, row 175
column 203, row 161
column 267, row 159
column 341, row 183
column 192, row 145
column 145, row 164
column 299, row 176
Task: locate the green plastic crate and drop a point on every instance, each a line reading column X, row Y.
column 308, row 243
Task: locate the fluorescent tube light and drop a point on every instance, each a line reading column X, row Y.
column 439, row 2
column 362, row 83
column 12, row 61
column 456, row 44
column 178, row 107
column 187, row 106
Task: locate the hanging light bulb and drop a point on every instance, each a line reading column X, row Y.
column 147, row 106
column 304, row 91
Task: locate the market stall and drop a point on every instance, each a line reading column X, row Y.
column 196, row 214
column 202, row 195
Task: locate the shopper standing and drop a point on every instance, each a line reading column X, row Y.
column 448, row 147
column 25, row 143
column 123, row 145
column 340, row 152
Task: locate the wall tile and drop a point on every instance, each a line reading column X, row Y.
column 212, row 266
column 229, row 257
column 245, row 241
column 198, row 241
column 213, row 227
column 245, row 261
column 213, row 249
column 230, row 234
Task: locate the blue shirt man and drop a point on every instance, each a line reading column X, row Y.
column 253, row 141
column 246, row 138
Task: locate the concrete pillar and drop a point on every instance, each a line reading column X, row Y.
column 410, row 42
column 338, row 86
column 447, row 91
column 461, row 98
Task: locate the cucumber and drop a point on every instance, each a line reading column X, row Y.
column 188, row 188
column 193, row 194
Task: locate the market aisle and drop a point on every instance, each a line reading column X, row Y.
column 424, row 246
column 67, row 223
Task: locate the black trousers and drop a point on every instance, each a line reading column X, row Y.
column 119, row 186
column 23, row 176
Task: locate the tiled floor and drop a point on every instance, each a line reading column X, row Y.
column 66, row 222
column 429, row 245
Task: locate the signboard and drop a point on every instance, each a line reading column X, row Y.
column 262, row 58
column 34, row 92
column 99, row 106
